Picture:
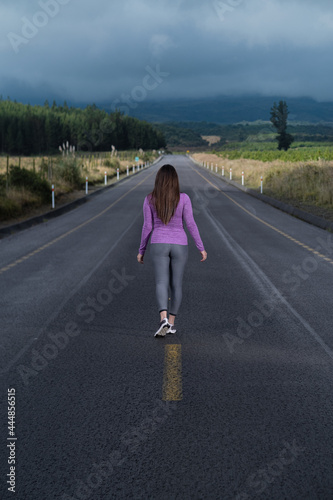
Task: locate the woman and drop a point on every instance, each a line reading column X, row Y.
column 164, row 210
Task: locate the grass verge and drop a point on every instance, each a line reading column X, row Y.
column 306, row 185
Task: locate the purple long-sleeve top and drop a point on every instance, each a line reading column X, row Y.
column 174, row 231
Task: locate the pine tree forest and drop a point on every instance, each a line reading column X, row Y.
column 33, row 130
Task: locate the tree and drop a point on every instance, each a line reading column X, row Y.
column 26, row 129
column 279, row 117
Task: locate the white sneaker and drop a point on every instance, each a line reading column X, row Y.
column 163, row 328
column 172, row 329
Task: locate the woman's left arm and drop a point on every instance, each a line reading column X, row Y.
column 146, row 229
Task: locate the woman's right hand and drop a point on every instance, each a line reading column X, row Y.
column 204, row 255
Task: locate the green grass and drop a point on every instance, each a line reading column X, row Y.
column 267, row 152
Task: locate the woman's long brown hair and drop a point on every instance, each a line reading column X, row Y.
column 165, row 195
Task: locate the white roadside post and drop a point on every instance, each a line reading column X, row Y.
column 127, row 172
column 261, row 185
column 86, row 185
column 242, row 178
column 105, row 178
column 222, row 171
column 216, row 168
column 211, row 167
column 231, row 174
column 117, row 174
column 53, row 203
column 133, row 169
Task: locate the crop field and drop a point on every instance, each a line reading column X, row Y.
column 267, row 152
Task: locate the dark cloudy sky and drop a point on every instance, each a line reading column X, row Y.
column 100, row 50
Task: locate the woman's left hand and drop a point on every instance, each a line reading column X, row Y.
column 140, row 258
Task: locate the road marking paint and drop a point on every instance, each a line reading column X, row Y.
column 172, row 378
column 312, row 250
column 52, row 242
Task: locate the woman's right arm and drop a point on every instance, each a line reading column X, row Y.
column 191, row 225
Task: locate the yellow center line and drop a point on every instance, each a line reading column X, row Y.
column 52, row 242
column 312, row 250
column 172, row 379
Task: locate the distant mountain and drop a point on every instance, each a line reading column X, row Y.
column 227, row 110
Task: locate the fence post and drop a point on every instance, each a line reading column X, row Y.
column 7, row 174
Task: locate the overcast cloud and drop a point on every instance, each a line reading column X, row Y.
column 81, row 50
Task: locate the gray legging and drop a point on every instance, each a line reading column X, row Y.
column 169, row 261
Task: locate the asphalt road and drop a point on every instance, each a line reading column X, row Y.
column 237, row 405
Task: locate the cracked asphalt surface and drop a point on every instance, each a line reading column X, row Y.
column 78, row 317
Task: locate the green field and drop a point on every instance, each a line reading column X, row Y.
column 267, row 151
